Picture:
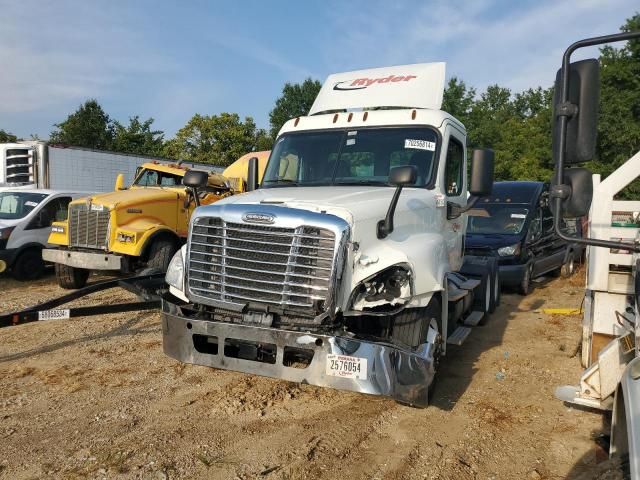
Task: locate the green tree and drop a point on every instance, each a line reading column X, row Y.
column 458, row 99
column 89, row 126
column 137, row 137
column 6, row 137
column 296, row 100
column 217, row 139
column 264, row 141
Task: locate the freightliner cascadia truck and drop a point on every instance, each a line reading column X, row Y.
column 346, row 267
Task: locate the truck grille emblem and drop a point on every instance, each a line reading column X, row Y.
column 259, row 218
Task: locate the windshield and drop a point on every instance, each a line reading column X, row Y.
column 154, row 178
column 502, row 219
column 15, row 205
column 350, row 157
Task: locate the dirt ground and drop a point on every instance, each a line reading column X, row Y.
column 95, row 397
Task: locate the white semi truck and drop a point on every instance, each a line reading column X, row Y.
column 38, row 164
column 611, row 322
column 345, row 268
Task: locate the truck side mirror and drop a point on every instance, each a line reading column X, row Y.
column 578, row 182
column 398, row 176
column 252, row 174
column 195, row 179
column 581, row 110
column 481, row 181
column 119, row 182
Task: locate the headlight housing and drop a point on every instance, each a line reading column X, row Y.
column 509, row 250
column 57, row 229
column 175, row 272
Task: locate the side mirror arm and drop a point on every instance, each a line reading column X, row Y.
column 385, row 227
column 454, row 210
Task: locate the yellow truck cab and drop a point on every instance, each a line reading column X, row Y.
column 129, row 229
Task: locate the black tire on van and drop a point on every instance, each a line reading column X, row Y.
column 524, row 288
column 569, row 267
column 29, row 265
column 71, row 277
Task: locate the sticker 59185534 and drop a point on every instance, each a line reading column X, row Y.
column 420, row 144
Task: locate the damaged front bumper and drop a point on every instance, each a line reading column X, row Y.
column 402, row 374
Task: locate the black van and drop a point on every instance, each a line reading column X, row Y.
column 515, row 224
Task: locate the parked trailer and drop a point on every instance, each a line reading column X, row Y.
column 345, row 269
column 38, row 164
column 611, row 323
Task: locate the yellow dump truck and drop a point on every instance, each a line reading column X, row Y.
column 134, row 228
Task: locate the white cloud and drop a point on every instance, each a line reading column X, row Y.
column 484, row 42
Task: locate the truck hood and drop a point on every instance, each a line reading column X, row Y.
column 352, row 203
column 132, row 196
column 11, row 223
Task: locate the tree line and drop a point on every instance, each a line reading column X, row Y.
column 516, row 125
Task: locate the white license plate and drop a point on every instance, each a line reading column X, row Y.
column 347, row 367
column 53, row 314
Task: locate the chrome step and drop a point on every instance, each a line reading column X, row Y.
column 474, row 318
column 459, row 336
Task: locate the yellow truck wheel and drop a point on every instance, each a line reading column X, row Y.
column 160, row 253
column 71, row 277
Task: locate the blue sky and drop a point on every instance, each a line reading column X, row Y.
column 169, row 60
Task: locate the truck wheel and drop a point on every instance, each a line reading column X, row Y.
column 29, row 265
column 525, row 284
column 71, row 277
column 161, row 253
column 411, row 326
column 569, row 267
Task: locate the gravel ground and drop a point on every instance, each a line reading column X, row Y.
column 95, row 397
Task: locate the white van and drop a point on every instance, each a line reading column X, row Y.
column 25, row 225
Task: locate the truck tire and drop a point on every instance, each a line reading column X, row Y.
column 410, row 326
column 29, row 265
column 160, row 254
column 71, row 277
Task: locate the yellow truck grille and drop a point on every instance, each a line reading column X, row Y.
column 240, row 263
column 88, row 227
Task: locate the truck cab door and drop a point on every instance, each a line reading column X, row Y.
column 455, row 191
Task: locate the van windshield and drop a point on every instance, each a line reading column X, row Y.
column 16, row 205
column 350, row 156
column 502, row 219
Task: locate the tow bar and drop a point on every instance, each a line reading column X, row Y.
column 145, row 286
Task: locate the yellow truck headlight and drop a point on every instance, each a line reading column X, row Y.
column 57, row 229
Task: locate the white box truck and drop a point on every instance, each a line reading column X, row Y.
column 37, row 164
column 345, row 268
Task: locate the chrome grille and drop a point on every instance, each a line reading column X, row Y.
column 88, row 228
column 241, row 263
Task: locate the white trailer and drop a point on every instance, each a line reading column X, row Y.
column 37, row 164
column 346, row 268
column 611, row 321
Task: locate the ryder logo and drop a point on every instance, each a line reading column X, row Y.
column 361, row 83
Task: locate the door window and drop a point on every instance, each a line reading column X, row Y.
column 454, row 168
column 535, row 229
column 54, row 211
